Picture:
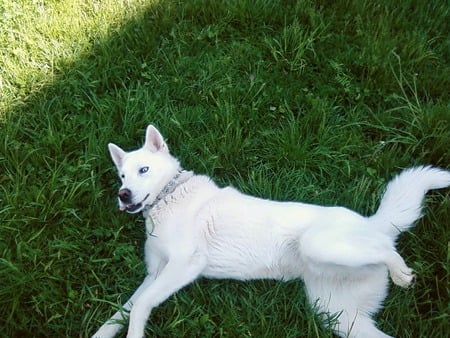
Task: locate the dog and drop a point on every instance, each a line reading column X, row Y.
column 197, row 229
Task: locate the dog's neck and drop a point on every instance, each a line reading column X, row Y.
column 181, row 177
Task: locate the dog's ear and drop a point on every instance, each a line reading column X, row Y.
column 116, row 154
column 154, row 141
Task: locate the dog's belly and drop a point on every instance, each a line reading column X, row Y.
column 259, row 241
column 245, row 264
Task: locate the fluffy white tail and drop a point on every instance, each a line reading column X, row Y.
column 402, row 200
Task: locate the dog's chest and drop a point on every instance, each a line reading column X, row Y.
column 159, row 239
column 169, row 234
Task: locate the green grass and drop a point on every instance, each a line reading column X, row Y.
column 311, row 100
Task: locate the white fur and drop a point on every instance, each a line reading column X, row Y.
column 201, row 230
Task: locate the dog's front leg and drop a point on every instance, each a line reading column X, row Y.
column 113, row 326
column 175, row 275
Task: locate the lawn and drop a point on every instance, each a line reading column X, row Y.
column 316, row 101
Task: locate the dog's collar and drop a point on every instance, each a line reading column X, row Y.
column 181, row 177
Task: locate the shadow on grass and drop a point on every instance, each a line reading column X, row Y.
column 60, row 248
column 59, row 229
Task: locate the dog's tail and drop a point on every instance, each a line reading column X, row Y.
column 401, row 204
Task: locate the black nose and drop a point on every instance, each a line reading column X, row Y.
column 125, row 196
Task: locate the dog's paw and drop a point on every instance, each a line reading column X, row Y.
column 404, row 277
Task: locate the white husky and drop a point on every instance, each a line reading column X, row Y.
column 196, row 229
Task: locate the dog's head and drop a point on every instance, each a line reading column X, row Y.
column 144, row 172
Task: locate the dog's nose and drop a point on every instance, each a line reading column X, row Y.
column 125, row 195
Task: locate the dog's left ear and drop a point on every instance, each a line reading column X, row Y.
column 154, row 141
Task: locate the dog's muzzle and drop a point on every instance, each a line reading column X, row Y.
column 126, row 197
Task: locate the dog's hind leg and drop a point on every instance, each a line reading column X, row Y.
column 346, row 273
column 400, row 273
column 360, row 326
column 353, row 295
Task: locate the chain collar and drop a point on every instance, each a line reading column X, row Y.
column 181, row 177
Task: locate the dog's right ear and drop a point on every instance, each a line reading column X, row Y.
column 116, row 154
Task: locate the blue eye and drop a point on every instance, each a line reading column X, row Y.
column 143, row 170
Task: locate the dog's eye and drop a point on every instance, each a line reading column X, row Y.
column 143, row 170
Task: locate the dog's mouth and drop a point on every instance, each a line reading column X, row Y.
column 133, row 208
